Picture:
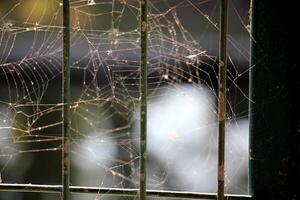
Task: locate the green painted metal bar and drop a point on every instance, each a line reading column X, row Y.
column 143, row 90
column 66, row 102
column 274, row 106
column 222, row 96
column 116, row 191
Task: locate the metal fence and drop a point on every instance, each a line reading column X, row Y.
column 65, row 189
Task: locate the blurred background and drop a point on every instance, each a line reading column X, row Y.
column 182, row 103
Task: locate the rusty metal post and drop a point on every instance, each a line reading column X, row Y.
column 143, row 90
column 66, row 102
column 222, row 96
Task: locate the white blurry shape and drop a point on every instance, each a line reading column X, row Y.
column 182, row 134
column 96, row 151
column 11, row 161
column 93, row 156
column 181, row 131
column 7, row 147
column 237, row 156
column 183, row 117
column 91, row 2
column 201, row 174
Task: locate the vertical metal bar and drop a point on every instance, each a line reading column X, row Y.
column 222, row 96
column 66, row 101
column 143, row 90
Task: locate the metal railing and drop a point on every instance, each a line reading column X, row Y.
column 142, row 192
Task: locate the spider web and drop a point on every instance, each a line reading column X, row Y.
column 105, row 51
